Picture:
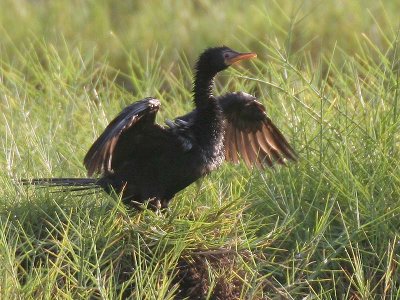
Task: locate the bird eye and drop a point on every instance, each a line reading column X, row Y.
column 226, row 55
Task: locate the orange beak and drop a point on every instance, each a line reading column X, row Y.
column 241, row 56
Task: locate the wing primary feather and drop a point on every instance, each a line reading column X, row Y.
column 227, row 143
column 239, row 145
column 266, row 146
column 277, row 140
column 279, row 137
column 260, row 154
column 251, row 134
column 276, row 149
column 251, row 153
column 246, row 155
column 242, row 148
column 234, row 145
column 263, row 147
column 100, row 156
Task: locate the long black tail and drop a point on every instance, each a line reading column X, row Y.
column 72, row 184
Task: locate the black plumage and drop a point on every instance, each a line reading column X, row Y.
column 145, row 161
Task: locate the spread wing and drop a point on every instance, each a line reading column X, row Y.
column 250, row 134
column 110, row 144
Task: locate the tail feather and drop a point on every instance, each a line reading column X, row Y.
column 73, row 184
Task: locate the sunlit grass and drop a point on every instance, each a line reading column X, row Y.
column 326, row 227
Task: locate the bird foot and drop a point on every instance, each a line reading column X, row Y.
column 157, row 204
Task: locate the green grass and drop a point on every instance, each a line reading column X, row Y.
column 326, row 227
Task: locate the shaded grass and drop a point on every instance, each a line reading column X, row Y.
column 326, row 227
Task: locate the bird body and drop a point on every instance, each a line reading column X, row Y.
column 163, row 160
column 142, row 160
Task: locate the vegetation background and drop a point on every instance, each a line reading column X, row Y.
column 326, row 227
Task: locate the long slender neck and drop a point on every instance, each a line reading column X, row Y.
column 202, row 88
column 208, row 122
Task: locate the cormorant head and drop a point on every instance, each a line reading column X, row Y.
column 214, row 60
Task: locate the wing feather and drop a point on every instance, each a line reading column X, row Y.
column 100, row 156
column 260, row 155
column 250, row 134
column 228, row 141
column 252, row 152
column 279, row 139
column 243, row 148
column 232, row 145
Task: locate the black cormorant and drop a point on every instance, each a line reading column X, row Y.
column 146, row 161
